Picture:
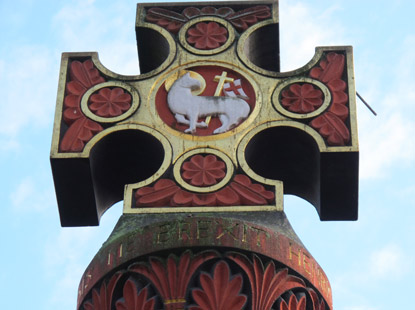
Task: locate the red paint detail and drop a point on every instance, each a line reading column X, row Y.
column 192, row 12
column 227, row 197
column 110, row 102
column 167, row 19
column 208, row 73
column 332, row 124
column 157, row 196
column 134, row 301
column 207, row 36
column 78, row 134
column 173, row 21
column 317, row 303
column 250, row 193
column 203, row 170
column 234, row 88
column 331, row 128
column 294, row 304
column 83, row 75
column 242, row 20
column 241, row 191
column 302, row 98
column 102, row 300
column 339, row 98
column 219, row 292
column 330, row 68
column 172, row 279
column 267, row 285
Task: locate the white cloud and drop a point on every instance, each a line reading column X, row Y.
column 302, row 28
column 67, row 255
column 389, row 262
column 85, row 28
column 65, row 260
column 32, row 196
column 28, row 82
column 388, row 139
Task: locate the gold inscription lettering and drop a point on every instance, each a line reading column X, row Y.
column 228, row 230
column 163, row 234
column 203, row 229
column 259, row 233
column 306, row 263
column 291, row 253
column 120, row 251
column 244, row 232
column 185, row 230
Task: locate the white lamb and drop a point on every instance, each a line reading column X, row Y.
column 188, row 108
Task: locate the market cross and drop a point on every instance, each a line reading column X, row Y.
column 199, row 167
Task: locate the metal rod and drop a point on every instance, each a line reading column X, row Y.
column 366, row 104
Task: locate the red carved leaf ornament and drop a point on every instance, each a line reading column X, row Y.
column 171, row 279
column 330, row 69
column 245, row 18
column 219, row 292
column 266, row 285
column 331, row 125
column 332, row 128
column 294, row 304
column 83, row 76
column 133, row 300
column 102, row 300
column 170, row 20
column 241, row 191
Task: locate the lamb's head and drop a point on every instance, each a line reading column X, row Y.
column 187, row 81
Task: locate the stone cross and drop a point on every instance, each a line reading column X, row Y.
column 199, row 164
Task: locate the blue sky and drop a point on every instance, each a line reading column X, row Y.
column 370, row 263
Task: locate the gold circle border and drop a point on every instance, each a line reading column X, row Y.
column 227, row 25
column 135, row 102
column 277, row 105
column 207, row 189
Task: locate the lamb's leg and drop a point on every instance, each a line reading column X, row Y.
column 192, row 124
column 224, row 119
column 182, row 120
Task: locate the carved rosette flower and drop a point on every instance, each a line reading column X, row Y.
column 207, row 36
column 203, row 170
column 110, row 102
column 301, row 98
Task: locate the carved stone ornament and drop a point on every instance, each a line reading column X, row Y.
column 201, row 147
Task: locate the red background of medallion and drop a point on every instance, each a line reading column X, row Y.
column 208, row 73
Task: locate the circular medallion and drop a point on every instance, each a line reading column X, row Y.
column 301, row 98
column 203, row 170
column 205, row 100
column 110, row 102
column 207, row 35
